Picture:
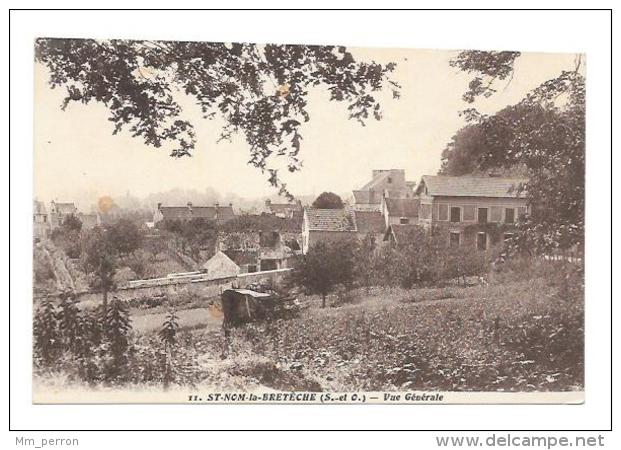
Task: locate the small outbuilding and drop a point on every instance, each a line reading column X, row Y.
column 242, row 306
column 220, row 266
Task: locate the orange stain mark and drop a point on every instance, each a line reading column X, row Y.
column 105, row 204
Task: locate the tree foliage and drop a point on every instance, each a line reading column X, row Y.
column 324, row 267
column 47, row 342
column 125, row 236
column 100, row 261
column 168, row 336
column 194, row 234
column 328, row 200
column 117, row 329
column 259, row 91
column 71, row 223
column 542, row 137
column 67, row 235
column 488, row 67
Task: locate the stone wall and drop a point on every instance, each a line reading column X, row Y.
column 195, row 287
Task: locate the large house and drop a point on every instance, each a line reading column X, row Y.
column 467, row 207
column 389, row 183
column 329, row 225
column 217, row 213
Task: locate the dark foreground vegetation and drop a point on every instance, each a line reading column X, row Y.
column 520, row 329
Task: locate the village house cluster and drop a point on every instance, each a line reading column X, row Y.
column 44, row 221
column 474, row 211
column 388, row 207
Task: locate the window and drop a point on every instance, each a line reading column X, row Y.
column 404, row 221
column 389, row 180
column 496, row 214
column 482, row 215
column 469, row 211
column 454, row 239
column 455, row 214
column 442, row 211
column 509, row 215
column 482, row 241
column 252, row 268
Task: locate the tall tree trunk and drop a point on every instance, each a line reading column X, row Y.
column 323, row 300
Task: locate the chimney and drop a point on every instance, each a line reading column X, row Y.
column 190, row 206
column 159, row 206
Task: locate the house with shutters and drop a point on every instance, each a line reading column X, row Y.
column 477, row 211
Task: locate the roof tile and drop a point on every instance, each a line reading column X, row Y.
column 330, row 220
column 474, row 186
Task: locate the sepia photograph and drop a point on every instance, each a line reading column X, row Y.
column 234, row 222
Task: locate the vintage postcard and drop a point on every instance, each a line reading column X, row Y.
column 271, row 223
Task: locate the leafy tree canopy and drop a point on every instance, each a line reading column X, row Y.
column 72, row 223
column 543, row 136
column 324, row 267
column 125, row 236
column 259, row 91
column 328, row 200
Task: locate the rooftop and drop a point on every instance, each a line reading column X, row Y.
column 402, row 207
column 330, row 220
column 220, row 213
column 439, row 185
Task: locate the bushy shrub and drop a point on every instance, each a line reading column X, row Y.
column 425, row 260
column 85, row 344
column 47, row 342
column 117, row 329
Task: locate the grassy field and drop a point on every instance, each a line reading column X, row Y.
column 518, row 336
column 515, row 335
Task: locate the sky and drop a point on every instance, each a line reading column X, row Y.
column 76, row 155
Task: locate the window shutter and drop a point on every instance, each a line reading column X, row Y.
column 442, row 211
